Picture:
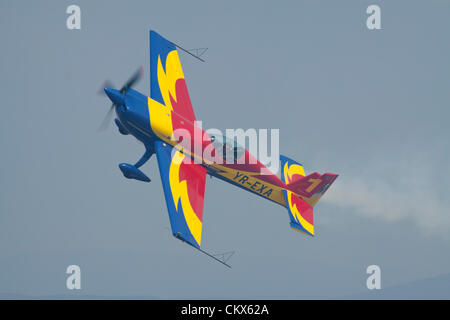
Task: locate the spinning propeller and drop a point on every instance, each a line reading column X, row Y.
column 108, row 85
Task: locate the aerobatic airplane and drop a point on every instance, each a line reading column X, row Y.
column 157, row 121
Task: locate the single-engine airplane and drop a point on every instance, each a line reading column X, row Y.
column 155, row 121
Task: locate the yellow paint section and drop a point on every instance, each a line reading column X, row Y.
column 161, row 114
column 229, row 174
column 289, row 171
column 168, row 79
column 179, row 191
column 160, row 120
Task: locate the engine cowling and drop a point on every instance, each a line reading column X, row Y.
column 122, row 129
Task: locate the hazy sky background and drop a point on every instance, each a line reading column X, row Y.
column 372, row 106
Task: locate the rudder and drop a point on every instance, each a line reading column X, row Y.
column 300, row 212
column 302, row 193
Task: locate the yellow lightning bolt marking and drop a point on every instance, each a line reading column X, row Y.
column 297, row 216
column 179, row 191
column 168, row 79
column 289, row 172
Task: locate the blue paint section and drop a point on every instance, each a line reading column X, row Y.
column 137, row 110
column 159, row 47
column 291, row 217
column 131, row 172
column 115, row 96
column 120, row 126
column 177, row 220
column 134, row 118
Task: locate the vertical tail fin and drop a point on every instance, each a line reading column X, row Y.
column 302, row 193
column 291, row 170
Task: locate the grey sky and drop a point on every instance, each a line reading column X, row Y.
column 371, row 106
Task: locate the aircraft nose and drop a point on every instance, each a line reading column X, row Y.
column 115, row 96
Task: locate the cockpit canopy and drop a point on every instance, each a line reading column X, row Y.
column 228, row 149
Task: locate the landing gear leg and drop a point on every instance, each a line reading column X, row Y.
column 149, row 151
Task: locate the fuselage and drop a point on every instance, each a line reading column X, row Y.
column 149, row 120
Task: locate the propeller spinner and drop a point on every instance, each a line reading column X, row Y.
column 117, row 96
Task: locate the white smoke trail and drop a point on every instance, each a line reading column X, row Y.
column 417, row 195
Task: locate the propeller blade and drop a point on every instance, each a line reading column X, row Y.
column 132, row 81
column 107, row 119
column 105, row 84
column 108, row 84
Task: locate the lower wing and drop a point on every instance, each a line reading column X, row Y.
column 184, row 189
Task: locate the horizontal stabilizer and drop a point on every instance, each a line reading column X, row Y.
column 313, row 186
